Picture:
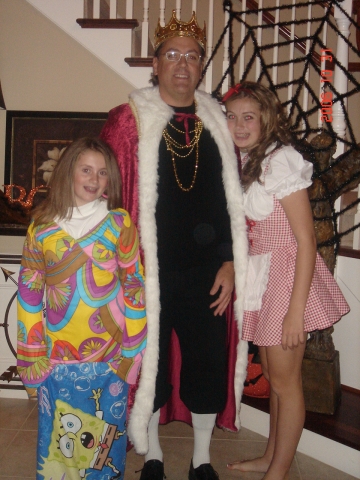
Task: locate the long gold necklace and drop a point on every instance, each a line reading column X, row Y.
column 172, row 145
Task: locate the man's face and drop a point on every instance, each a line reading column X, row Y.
column 177, row 80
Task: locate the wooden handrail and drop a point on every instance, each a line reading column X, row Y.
column 107, row 23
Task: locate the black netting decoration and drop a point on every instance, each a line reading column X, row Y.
column 332, row 177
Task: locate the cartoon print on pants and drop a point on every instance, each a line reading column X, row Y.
column 79, row 440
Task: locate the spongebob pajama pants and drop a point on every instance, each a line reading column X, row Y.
column 82, row 414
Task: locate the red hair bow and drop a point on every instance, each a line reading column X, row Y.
column 236, row 89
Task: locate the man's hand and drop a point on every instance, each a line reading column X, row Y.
column 225, row 279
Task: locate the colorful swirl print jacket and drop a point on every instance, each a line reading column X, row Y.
column 95, row 308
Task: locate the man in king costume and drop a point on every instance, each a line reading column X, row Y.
column 181, row 186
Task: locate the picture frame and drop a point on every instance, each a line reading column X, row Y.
column 34, row 143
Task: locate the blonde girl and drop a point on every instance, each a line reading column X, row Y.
column 81, row 354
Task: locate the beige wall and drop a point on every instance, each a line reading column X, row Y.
column 42, row 68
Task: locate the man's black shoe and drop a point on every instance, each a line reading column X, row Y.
column 203, row 472
column 152, row 470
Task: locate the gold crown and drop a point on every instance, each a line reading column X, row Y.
column 177, row 28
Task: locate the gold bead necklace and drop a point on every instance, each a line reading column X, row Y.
column 172, row 144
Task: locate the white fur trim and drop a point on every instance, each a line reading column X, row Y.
column 153, row 115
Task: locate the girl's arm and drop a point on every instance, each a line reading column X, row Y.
column 298, row 211
column 132, row 280
column 32, row 350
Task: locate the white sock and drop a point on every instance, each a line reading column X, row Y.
column 203, row 425
column 155, row 452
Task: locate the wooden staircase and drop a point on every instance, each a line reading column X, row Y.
column 252, row 5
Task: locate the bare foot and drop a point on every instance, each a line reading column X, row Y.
column 256, row 465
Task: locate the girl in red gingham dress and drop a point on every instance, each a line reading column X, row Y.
column 289, row 289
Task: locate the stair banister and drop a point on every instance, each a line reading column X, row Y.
column 322, row 67
column 356, row 238
column 259, row 38
column 162, row 13
column 145, row 30
column 276, row 41
column 307, row 47
column 113, row 12
column 242, row 36
column 96, row 9
column 178, row 8
column 129, row 12
column 225, row 65
column 340, row 79
column 209, row 44
column 291, row 52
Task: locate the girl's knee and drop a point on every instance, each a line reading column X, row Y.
column 286, row 386
column 265, row 372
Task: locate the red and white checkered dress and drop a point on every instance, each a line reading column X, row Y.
column 272, row 240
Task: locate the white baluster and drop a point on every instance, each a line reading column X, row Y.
column 96, row 9
column 340, row 82
column 209, row 45
column 129, row 12
column 162, row 13
column 145, row 30
column 87, row 13
column 322, row 66
column 340, row 79
column 307, row 49
column 113, row 12
column 178, row 9
column 276, row 41
column 356, row 238
column 259, row 39
column 292, row 48
column 242, row 36
column 225, row 85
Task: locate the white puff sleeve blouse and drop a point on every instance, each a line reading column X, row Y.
column 284, row 171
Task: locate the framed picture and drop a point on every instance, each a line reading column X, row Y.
column 34, row 144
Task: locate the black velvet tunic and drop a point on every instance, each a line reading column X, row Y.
column 194, row 239
column 193, row 228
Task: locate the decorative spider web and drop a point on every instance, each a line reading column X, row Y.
column 305, row 63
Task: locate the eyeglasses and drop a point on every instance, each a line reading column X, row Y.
column 192, row 58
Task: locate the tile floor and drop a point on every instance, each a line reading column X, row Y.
column 18, row 427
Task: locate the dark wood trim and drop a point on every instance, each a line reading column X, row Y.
column 6, row 259
column 349, row 252
column 9, row 376
column 352, row 67
column 107, row 23
column 350, row 389
column 139, row 61
column 356, row 11
column 342, row 427
column 2, row 101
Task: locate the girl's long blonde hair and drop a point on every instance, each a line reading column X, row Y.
column 60, row 199
column 273, row 122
